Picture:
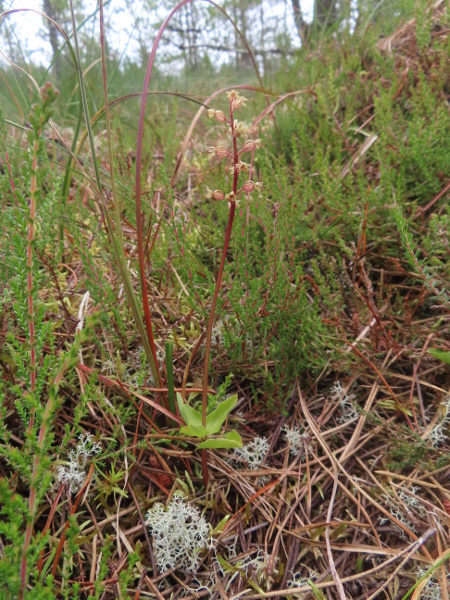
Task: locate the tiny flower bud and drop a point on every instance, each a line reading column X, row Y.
column 248, row 186
column 220, row 116
column 218, row 195
column 238, row 102
column 49, row 93
column 248, row 146
column 259, row 186
column 221, row 151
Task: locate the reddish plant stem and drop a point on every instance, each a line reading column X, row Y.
column 216, row 295
column 213, row 309
column 31, row 232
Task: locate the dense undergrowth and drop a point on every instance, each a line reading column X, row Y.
column 333, row 293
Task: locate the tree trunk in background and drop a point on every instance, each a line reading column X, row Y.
column 244, row 59
column 193, row 41
column 300, row 24
column 325, row 13
column 51, row 11
column 239, row 10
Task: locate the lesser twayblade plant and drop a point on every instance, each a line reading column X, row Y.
column 238, row 168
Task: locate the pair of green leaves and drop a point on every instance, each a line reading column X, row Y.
column 214, row 423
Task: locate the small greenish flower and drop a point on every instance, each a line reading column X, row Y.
column 240, row 167
column 236, row 100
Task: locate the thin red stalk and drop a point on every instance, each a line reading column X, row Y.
column 31, row 232
column 213, row 308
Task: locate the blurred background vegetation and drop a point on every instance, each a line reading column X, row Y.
column 199, row 48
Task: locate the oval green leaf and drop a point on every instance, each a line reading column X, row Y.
column 231, row 440
column 194, row 431
column 190, row 415
column 217, row 418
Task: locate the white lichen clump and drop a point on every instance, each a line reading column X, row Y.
column 294, row 439
column 180, row 534
column 412, row 500
column 254, row 452
column 74, row 473
column 217, row 333
column 413, row 505
column 299, row 580
column 438, row 434
column 347, row 404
